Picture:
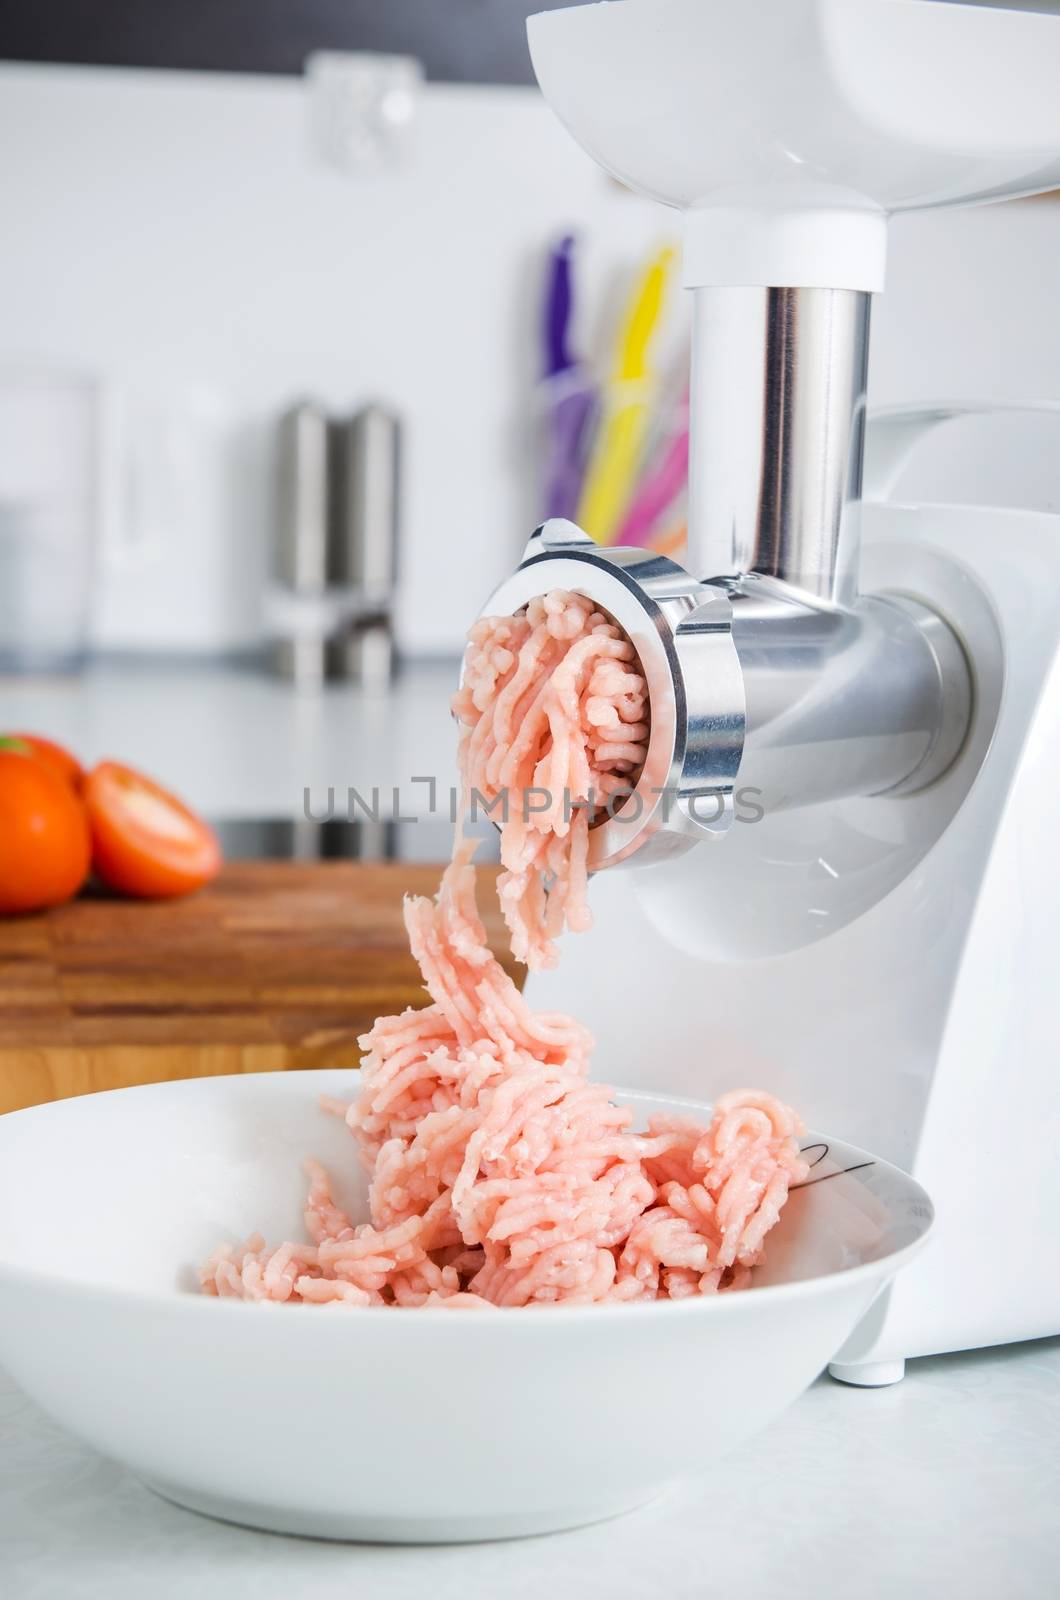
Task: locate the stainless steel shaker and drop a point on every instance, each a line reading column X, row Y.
column 365, row 541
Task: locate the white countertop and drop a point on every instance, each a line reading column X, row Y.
column 945, row 1485
column 234, row 742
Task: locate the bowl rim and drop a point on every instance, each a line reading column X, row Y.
column 178, row 1301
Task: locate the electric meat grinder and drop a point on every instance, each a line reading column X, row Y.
column 855, row 705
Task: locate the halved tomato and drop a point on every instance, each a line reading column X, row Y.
column 53, row 755
column 146, row 842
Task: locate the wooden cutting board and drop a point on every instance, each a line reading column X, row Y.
column 276, row 966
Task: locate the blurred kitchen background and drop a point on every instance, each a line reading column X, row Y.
column 309, row 311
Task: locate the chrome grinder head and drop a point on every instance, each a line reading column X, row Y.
column 681, row 630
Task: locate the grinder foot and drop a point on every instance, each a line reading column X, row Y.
column 868, row 1374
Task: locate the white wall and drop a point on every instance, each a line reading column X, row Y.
column 175, row 235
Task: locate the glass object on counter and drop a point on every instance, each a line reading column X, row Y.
column 48, row 516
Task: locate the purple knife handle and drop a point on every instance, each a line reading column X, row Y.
column 558, row 309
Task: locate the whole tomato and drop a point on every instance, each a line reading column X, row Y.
column 45, row 846
column 46, row 750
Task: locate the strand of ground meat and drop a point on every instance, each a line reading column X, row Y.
column 553, row 710
column 500, row 1175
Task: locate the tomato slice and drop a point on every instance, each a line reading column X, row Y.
column 146, row 842
column 53, row 755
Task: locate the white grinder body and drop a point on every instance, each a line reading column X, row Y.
column 869, row 691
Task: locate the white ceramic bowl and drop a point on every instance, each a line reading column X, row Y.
column 384, row 1424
